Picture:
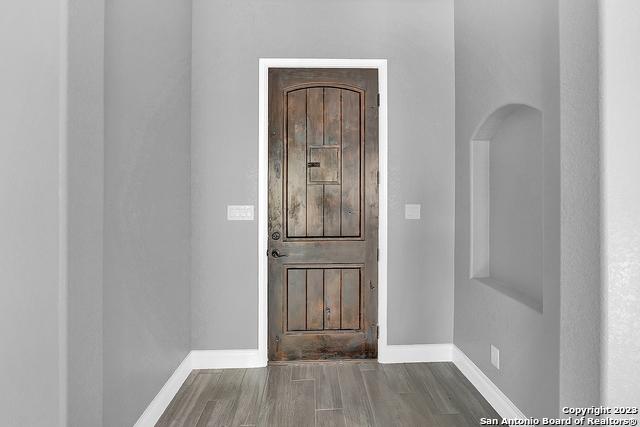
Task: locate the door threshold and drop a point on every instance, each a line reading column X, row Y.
column 319, row 361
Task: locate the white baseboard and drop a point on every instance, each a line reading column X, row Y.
column 450, row 353
column 197, row 359
column 222, row 359
column 496, row 398
column 156, row 408
column 415, row 353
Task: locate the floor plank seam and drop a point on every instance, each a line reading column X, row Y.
column 344, row 415
column 366, row 388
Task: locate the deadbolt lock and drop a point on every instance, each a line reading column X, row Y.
column 275, row 236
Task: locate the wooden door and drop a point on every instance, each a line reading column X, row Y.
column 323, row 213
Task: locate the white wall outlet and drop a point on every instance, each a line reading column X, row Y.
column 240, row 213
column 495, row 357
column 412, row 211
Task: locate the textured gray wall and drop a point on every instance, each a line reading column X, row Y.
column 620, row 105
column 147, row 203
column 85, row 162
column 29, row 212
column 228, row 38
column 507, row 52
column 580, row 286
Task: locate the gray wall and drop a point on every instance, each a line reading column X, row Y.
column 516, row 172
column 85, row 161
column 29, row 212
column 580, row 285
column 228, row 38
column 620, row 105
column 507, row 52
column 147, row 202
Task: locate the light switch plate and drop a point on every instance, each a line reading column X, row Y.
column 240, row 213
column 412, row 211
column 495, row 357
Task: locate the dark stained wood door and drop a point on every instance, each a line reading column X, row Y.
column 323, row 213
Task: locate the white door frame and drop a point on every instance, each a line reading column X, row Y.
column 263, row 167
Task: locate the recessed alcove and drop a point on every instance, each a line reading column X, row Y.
column 507, row 203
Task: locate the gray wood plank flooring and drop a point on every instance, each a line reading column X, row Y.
column 324, row 394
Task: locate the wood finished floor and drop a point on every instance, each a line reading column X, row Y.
column 329, row 394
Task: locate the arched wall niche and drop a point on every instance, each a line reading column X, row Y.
column 507, row 220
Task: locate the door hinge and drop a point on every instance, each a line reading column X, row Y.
column 378, row 177
column 371, row 285
column 377, row 332
column 378, row 254
column 378, row 100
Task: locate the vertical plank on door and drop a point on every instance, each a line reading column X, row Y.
column 315, row 116
column 315, row 303
column 350, row 299
column 315, row 216
column 332, row 298
column 350, row 163
column 297, row 163
column 332, row 136
column 332, row 203
column 315, row 137
column 296, row 300
column 331, row 116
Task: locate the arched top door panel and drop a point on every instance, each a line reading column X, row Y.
column 324, row 85
column 324, row 149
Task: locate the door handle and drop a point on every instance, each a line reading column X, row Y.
column 276, row 254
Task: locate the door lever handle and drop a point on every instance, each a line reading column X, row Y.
column 276, row 254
